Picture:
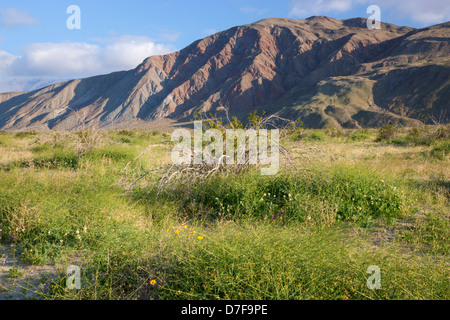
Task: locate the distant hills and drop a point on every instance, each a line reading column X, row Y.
column 325, row 71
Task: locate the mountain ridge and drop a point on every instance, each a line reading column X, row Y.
column 325, row 71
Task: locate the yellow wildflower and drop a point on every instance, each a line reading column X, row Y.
column 153, row 282
column 177, row 231
column 199, row 237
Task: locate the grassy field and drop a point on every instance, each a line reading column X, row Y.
column 360, row 198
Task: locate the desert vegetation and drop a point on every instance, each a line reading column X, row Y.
column 355, row 198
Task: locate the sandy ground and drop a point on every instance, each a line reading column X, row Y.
column 32, row 282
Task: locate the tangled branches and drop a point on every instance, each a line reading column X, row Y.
column 208, row 161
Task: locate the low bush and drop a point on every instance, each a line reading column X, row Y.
column 427, row 135
column 24, row 134
column 439, row 152
column 387, row 132
column 344, row 193
column 59, row 158
column 115, row 153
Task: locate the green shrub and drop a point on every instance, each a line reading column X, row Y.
column 427, row 135
column 400, row 141
column 334, row 132
column 15, row 273
column 309, row 135
column 124, row 140
column 359, row 136
column 440, row 151
column 347, row 194
column 317, row 136
column 24, row 134
column 42, row 148
column 126, row 133
column 58, row 158
column 298, row 135
column 117, row 154
column 387, row 132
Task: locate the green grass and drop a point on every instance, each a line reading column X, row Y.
column 14, row 273
column 305, row 235
column 416, row 136
column 354, row 194
column 24, row 134
column 441, row 150
column 263, row 261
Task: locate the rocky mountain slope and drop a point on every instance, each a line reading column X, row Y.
column 325, row 71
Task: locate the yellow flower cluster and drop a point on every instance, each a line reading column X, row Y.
column 177, row 231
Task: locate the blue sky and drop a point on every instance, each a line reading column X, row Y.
column 118, row 35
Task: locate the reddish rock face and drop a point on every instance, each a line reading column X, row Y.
column 268, row 65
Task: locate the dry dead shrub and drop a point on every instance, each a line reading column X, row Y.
column 19, row 219
column 187, row 175
column 87, row 139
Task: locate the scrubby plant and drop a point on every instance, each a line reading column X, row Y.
column 387, row 132
column 189, row 174
column 334, row 132
column 440, row 151
column 126, row 133
column 87, row 140
column 348, row 194
column 23, row 134
column 427, row 135
column 317, row 136
column 359, row 135
column 15, row 273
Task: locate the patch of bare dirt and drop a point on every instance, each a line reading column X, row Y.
column 18, row 280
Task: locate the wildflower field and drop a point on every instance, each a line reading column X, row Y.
column 358, row 198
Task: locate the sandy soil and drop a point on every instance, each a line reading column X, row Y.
column 32, row 282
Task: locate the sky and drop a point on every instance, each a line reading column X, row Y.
column 36, row 43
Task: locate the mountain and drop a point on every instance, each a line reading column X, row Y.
column 325, row 71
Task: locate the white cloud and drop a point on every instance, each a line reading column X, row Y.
column 57, row 59
column 6, row 60
column 424, row 12
column 11, row 18
column 78, row 59
column 127, row 52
